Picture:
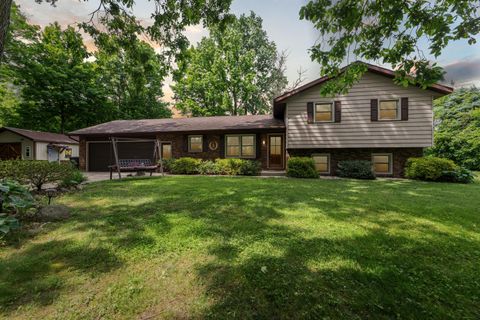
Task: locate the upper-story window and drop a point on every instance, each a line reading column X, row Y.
column 388, row 110
column 324, row 112
column 195, row 143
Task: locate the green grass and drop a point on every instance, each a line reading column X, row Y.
column 250, row 248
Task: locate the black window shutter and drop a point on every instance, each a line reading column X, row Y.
column 221, row 146
column 258, row 146
column 338, row 111
column 374, row 109
column 309, row 112
column 205, row 143
column 404, row 107
column 185, row 143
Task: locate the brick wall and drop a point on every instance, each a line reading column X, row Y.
column 82, row 154
column 400, row 156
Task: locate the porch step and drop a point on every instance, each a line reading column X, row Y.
column 273, row 173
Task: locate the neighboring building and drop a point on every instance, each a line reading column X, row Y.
column 377, row 120
column 35, row 145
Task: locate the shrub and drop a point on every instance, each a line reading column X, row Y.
column 430, row 169
column 73, row 178
column 35, row 172
column 207, row 167
column 167, row 164
column 437, row 169
column 357, row 169
column 301, row 167
column 185, row 165
column 229, row 167
column 250, row 168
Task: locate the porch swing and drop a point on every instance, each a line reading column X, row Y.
column 136, row 165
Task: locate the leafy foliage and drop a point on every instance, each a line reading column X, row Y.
column 457, row 127
column 389, row 31
column 301, row 167
column 357, row 169
column 35, row 172
column 436, row 169
column 236, row 70
column 15, row 197
column 72, row 178
column 185, row 165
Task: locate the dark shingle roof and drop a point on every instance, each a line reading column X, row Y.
column 41, row 136
column 218, row 123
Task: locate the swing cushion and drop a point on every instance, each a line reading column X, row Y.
column 135, row 164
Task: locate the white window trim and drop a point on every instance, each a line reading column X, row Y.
column 28, row 151
column 390, row 165
column 241, row 145
column 189, row 144
column 315, row 112
column 329, row 161
column 399, row 109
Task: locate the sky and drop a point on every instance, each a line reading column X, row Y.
column 282, row 24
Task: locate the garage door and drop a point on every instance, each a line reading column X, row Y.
column 10, row 151
column 100, row 154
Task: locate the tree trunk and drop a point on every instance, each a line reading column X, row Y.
column 5, row 6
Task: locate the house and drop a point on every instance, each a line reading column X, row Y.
column 376, row 120
column 36, row 145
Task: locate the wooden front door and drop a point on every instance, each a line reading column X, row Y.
column 275, row 151
column 10, row 151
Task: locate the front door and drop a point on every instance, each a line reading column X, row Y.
column 275, row 151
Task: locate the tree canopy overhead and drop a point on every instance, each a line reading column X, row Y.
column 236, row 70
column 388, row 31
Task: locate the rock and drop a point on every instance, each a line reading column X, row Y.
column 56, row 212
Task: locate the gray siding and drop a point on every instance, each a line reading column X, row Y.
column 356, row 129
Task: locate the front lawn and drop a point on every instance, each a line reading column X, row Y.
column 249, row 248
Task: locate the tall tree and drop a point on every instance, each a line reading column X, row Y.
column 457, row 127
column 5, row 6
column 236, row 70
column 131, row 67
column 60, row 91
column 388, row 31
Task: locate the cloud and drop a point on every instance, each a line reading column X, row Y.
column 463, row 72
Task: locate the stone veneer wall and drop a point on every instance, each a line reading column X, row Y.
column 400, row 156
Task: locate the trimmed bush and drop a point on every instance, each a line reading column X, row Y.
column 357, row 169
column 250, row 168
column 35, row 172
column 229, row 167
column 207, row 167
column 437, row 169
column 429, row 168
column 301, row 167
column 185, row 165
column 73, row 178
column 167, row 164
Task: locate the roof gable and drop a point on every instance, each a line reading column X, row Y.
column 41, row 136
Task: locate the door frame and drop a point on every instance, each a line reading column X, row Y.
column 283, row 150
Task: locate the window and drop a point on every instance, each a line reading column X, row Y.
column 322, row 162
column 195, row 143
column 166, row 150
column 382, row 163
column 28, row 151
column 388, row 110
column 324, row 112
column 240, row 146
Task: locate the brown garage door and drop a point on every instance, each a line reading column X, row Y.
column 9, row 151
column 100, row 154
